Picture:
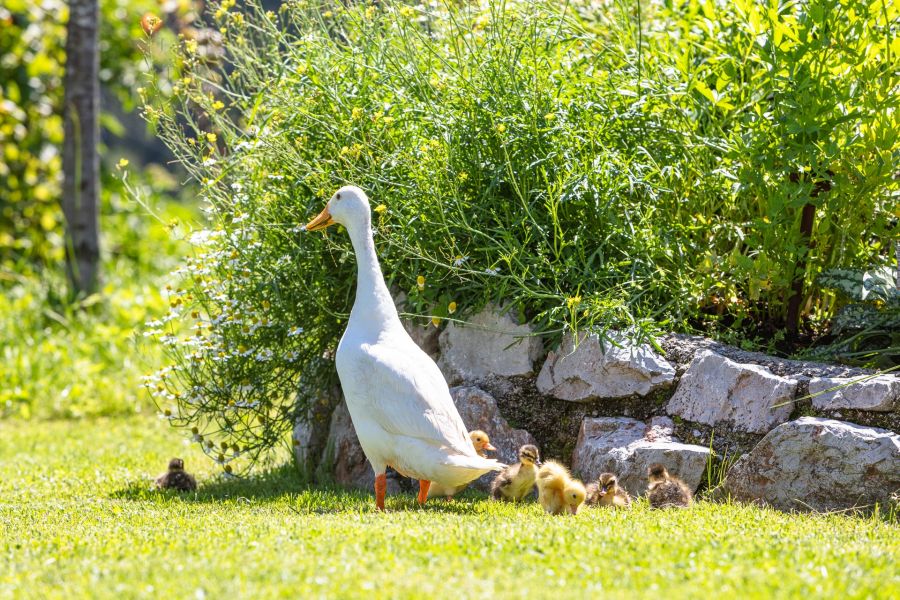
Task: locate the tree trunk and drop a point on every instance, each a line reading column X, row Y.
column 81, row 160
column 807, row 219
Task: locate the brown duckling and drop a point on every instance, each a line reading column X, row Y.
column 606, row 492
column 176, row 478
column 665, row 490
column 516, row 481
column 558, row 492
column 483, row 445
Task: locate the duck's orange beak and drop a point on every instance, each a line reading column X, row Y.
column 489, row 447
column 322, row 221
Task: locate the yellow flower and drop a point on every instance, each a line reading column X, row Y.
column 451, row 308
column 463, row 176
column 549, row 116
column 218, row 105
column 357, row 113
column 211, row 138
column 380, row 208
column 407, row 11
column 388, row 120
column 435, row 321
column 370, row 12
column 301, row 68
column 501, row 128
column 573, row 301
column 420, row 282
column 123, row 162
column 327, row 14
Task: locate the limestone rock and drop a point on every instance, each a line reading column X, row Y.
column 716, row 390
column 615, row 369
column 490, row 344
column 880, row 394
column 310, row 433
column 302, row 441
column 478, row 410
column 680, row 349
column 819, row 464
column 628, row 447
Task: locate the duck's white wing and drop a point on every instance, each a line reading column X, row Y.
column 409, row 396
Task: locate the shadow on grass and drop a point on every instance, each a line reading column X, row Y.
column 283, row 485
column 270, row 485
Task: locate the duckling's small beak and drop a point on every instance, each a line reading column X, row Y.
column 490, row 447
column 539, row 463
column 322, row 221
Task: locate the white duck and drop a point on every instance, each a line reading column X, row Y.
column 398, row 399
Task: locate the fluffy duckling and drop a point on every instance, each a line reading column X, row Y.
column 176, row 478
column 557, row 491
column 482, row 444
column 516, row 481
column 606, row 492
column 664, row 490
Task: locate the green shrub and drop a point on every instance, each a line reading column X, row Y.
column 592, row 166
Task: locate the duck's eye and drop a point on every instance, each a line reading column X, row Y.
column 337, row 196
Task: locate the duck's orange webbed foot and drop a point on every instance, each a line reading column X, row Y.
column 424, row 484
column 380, row 489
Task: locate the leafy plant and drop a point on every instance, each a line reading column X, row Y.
column 867, row 330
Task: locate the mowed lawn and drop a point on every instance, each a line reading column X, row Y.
column 78, row 519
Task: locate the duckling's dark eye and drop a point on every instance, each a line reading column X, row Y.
column 337, row 197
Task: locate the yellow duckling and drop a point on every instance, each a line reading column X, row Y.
column 558, row 492
column 606, row 492
column 482, row 444
column 665, row 491
column 516, row 481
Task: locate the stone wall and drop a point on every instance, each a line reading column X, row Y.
column 698, row 407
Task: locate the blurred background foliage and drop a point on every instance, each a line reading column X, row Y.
column 59, row 358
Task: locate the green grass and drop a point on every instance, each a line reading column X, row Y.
column 77, row 518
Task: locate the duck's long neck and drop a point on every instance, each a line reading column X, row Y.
column 373, row 308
